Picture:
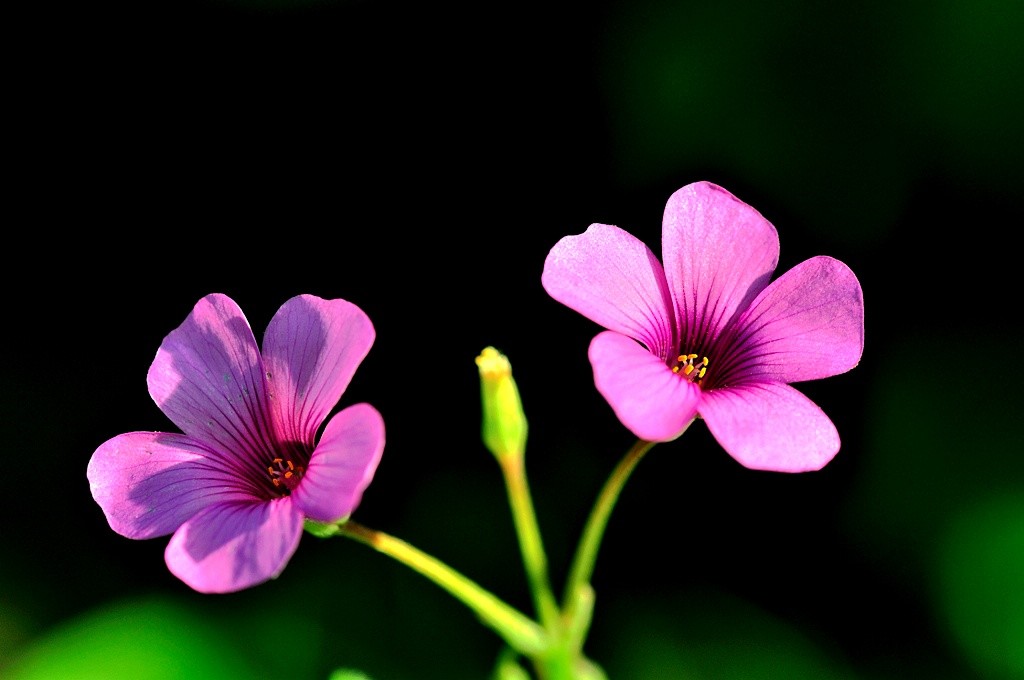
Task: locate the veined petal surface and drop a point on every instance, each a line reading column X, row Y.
column 719, row 254
column 149, row 483
column 311, row 350
column 230, row 487
column 342, row 464
column 231, row 546
column 612, row 278
column 807, row 324
column 209, row 379
column 654, row 403
column 770, row 426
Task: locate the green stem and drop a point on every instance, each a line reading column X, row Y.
column 534, row 559
column 520, row 632
column 590, row 541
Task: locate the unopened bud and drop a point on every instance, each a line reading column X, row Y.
column 504, row 423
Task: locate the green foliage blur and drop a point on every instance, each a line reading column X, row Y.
column 420, row 160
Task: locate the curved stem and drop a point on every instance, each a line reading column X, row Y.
column 590, row 541
column 519, row 631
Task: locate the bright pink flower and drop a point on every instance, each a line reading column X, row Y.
column 236, row 487
column 707, row 335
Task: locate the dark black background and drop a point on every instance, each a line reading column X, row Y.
column 420, row 160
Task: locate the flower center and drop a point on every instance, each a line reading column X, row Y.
column 284, row 474
column 685, row 366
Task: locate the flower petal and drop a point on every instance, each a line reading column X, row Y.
column 719, row 254
column 808, row 324
column 231, row 546
column 311, row 349
column 208, row 378
column 654, row 403
column 150, row 483
column 613, row 279
column 767, row 426
column 342, row 464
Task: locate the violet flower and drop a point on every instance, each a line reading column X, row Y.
column 706, row 335
column 236, row 487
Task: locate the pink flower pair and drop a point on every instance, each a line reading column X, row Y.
column 704, row 335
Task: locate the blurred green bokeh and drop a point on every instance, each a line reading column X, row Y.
column 835, row 111
column 936, row 446
column 938, row 500
column 152, row 639
column 698, row 634
column 348, row 674
column 979, row 583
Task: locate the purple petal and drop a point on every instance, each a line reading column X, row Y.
column 808, row 324
column 770, row 426
column 312, row 348
column 150, row 483
column 719, row 254
column 613, row 279
column 208, row 378
column 654, row 403
column 231, row 546
column 342, row 464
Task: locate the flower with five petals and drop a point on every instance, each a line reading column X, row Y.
column 708, row 334
column 251, row 464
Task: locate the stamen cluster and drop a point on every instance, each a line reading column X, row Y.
column 684, row 364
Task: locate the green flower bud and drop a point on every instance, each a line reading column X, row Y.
column 504, row 424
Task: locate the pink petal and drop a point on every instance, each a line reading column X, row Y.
column 231, row 546
column 150, row 483
column 770, row 426
column 808, row 324
column 719, row 254
column 311, row 349
column 342, row 464
column 652, row 402
column 208, row 378
column 613, row 279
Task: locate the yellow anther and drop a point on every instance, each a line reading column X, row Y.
column 285, row 473
column 687, row 365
